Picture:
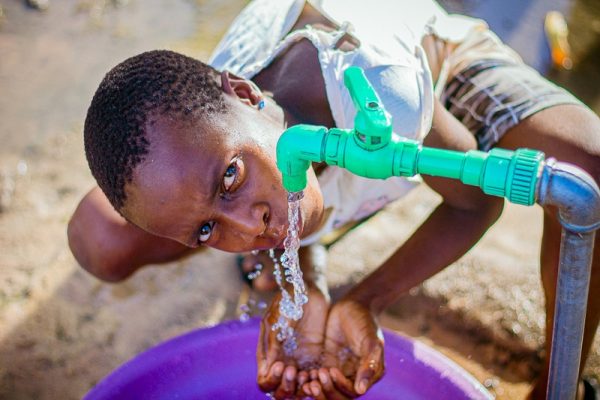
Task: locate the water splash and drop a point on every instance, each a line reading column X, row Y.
column 251, row 308
column 290, row 305
column 258, row 267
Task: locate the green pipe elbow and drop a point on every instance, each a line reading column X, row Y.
column 297, row 148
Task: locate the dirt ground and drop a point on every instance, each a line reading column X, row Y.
column 61, row 330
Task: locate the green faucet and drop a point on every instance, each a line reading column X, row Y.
column 371, row 150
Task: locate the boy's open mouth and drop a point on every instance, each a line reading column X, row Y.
column 281, row 245
column 278, row 236
column 279, row 242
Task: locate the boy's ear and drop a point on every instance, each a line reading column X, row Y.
column 243, row 89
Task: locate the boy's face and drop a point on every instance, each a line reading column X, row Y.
column 217, row 183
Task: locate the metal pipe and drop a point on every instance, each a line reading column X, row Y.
column 577, row 197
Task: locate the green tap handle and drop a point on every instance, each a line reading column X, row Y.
column 372, row 124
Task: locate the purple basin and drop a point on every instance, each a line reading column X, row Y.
column 219, row 363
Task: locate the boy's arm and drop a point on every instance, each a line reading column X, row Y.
column 111, row 248
column 449, row 232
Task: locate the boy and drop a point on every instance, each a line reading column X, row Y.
column 184, row 157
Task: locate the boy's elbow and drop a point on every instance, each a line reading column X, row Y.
column 94, row 256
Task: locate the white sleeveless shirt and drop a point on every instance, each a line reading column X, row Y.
column 391, row 56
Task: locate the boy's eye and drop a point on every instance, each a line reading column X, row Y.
column 232, row 174
column 205, row 232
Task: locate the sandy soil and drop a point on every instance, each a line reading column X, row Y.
column 62, row 330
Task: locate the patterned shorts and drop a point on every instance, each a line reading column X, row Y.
column 490, row 97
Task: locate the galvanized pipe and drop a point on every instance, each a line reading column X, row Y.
column 577, row 197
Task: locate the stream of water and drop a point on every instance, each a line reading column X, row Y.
column 289, row 278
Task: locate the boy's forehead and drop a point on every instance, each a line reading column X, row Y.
column 165, row 177
column 171, row 128
column 206, row 134
column 176, row 148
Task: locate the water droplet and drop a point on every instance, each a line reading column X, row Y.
column 244, row 317
column 244, row 308
column 22, row 167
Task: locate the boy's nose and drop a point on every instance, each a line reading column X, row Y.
column 250, row 222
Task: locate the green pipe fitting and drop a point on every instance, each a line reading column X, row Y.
column 296, row 148
column 372, row 151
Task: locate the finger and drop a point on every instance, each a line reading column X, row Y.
column 272, row 379
column 314, row 375
column 316, row 391
column 370, row 370
column 302, row 378
column 341, row 383
column 329, row 390
column 287, row 387
column 300, row 394
column 306, row 389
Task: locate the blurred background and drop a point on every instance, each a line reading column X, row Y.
column 62, row 330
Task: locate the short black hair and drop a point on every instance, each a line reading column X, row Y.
column 150, row 84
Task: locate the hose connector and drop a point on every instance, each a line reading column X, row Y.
column 513, row 175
